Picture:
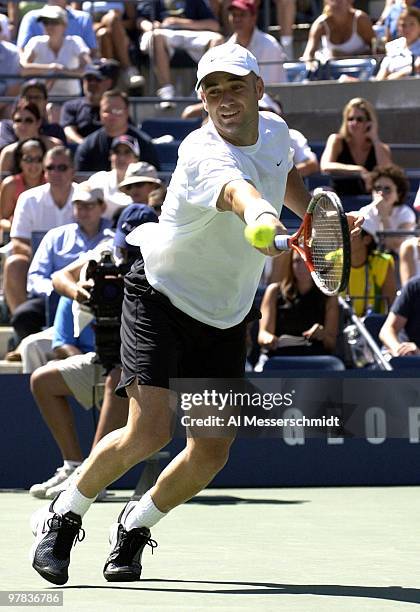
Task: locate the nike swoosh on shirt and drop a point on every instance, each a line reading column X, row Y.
column 279, row 164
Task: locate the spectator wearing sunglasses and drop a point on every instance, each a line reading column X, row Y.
column 79, row 23
column 55, row 53
column 32, row 91
column 92, row 154
column 29, row 155
column 387, row 210
column 38, row 210
column 26, row 121
column 352, row 153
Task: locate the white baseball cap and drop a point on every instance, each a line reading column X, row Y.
column 231, row 58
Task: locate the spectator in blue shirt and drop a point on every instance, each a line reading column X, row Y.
column 64, row 342
column 79, row 23
column 59, row 247
column 56, row 342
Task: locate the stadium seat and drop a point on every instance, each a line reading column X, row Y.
column 413, row 175
column 373, row 323
column 296, row 72
column 317, row 180
column 167, row 155
column 178, row 128
column 409, row 362
column 317, row 147
column 316, row 362
column 361, row 68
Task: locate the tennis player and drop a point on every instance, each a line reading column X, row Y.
column 186, row 305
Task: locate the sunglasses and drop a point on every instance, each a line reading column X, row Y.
column 117, row 112
column 57, row 167
column 357, row 119
column 383, row 188
column 47, row 21
column 23, row 120
column 31, row 160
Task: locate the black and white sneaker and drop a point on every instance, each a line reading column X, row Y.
column 54, row 537
column 124, row 561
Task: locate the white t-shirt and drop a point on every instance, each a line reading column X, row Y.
column 267, row 49
column 68, row 56
column 299, row 144
column 399, row 215
column 36, row 211
column 114, row 198
column 198, row 256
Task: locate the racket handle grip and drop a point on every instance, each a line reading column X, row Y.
column 281, row 242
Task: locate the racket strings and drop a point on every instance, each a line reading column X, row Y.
column 326, row 244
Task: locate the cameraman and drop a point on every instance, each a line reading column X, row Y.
column 77, row 374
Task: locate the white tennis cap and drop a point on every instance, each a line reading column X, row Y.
column 231, row 58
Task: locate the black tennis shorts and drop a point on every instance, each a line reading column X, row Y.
column 159, row 341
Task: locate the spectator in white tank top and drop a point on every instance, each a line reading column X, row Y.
column 340, row 31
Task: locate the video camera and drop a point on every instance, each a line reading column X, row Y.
column 105, row 302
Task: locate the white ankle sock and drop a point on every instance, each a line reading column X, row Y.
column 145, row 514
column 72, row 500
column 67, row 464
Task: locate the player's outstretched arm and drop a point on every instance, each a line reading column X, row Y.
column 242, row 198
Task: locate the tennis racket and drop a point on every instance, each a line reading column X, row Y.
column 323, row 242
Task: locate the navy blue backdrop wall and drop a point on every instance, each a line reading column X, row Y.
column 28, row 454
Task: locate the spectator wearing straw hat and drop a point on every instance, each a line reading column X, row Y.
column 139, row 181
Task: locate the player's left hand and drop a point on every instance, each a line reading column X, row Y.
column 355, row 221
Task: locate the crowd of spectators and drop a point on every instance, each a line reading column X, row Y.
column 99, row 45
column 70, row 121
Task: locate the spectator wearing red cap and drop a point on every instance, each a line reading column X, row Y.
column 243, row 19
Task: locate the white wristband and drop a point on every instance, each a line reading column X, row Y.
column 257, row 208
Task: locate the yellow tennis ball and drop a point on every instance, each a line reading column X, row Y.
column 260, row 236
